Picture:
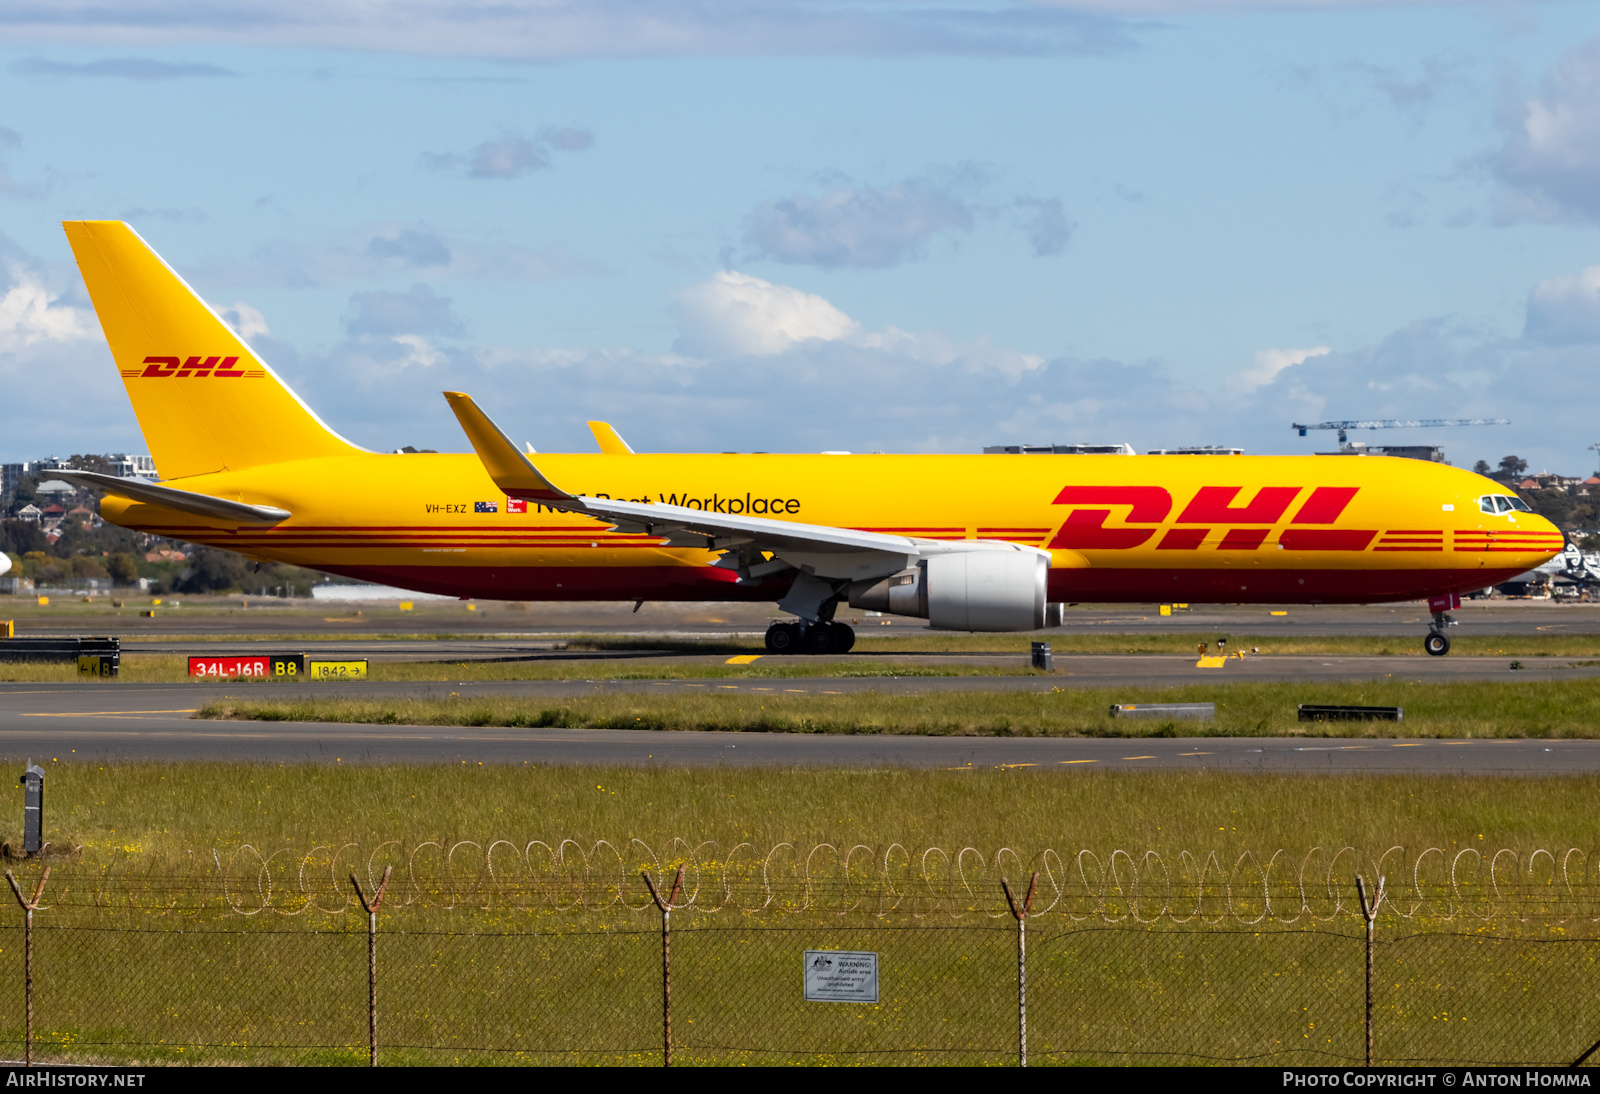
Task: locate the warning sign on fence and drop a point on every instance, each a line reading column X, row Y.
column 841, row 976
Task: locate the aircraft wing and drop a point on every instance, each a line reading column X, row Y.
column 184, row 501
column 827, row 552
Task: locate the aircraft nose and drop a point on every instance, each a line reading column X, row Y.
column 1545, row 539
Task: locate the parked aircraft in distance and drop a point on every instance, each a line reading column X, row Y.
column 980, row 542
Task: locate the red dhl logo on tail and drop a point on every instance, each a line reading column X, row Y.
column 1085, row 527
column 198, row 367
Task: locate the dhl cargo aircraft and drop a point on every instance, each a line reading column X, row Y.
column 981, row 542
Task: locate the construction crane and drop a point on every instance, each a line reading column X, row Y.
column 1396, row 423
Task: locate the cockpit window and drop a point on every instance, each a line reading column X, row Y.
column 1502, row 503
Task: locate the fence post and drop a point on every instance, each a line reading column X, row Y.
column 27, row 956
column 1021, row 915
column 666, row 958
column 372, row 960
column 1370, row 914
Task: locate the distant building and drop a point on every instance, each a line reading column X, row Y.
column 127, row 465
column 30, row 513
column 10, row 473
column 1431, row 453
column 1198, row 450
column 1059, row 450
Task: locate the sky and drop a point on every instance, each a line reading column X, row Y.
column 806, row 225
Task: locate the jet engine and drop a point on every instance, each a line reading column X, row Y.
column 966, row 591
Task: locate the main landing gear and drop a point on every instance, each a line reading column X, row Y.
column 815, row 637
column 1438, row 643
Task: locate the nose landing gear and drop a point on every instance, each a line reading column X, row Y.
column 1438, row 643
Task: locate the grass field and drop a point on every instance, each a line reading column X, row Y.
column 142, row 809
column 1464, row 709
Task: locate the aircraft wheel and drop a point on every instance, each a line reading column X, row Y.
column 783, row 638
column 822, row 638
column 1436, row 644
column 844, row 636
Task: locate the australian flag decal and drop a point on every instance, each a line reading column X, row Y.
column 485, row 507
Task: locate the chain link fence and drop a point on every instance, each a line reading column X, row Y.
column 165, row 973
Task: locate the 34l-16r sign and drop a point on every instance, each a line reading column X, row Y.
column 261, row 667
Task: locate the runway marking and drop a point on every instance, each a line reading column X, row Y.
column 1409, row 744
column 1080, row 761
column 833, row 693
column 1194, row 753
column 1138, row 757
column 1003, row 766
column 729, row 687
column 743, row 659
column 795, row 691
column 105, row 713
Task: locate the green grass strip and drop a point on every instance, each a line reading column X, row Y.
column 1475, row 709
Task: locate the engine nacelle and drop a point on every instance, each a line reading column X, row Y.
column 967, row 591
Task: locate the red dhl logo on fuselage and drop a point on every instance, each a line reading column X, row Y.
column 1309, row 528
column 219, row 367
column 1085, row 528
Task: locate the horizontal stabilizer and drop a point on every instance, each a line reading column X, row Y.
column 184, row 501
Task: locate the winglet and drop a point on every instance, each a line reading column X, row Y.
column 611, row 442
column 510, row 469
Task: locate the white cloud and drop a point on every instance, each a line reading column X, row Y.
column 530, row 29
column 858, row 226
column 512, row 155
column 124, row 68
column 862, row 226
column 1266, row 366
column 372, row 253
column 29, row 314
column 246, row 321
column 734, row 314
column 58, row 384
column 1565, row 310
column 418, row 351
column 1550, row 161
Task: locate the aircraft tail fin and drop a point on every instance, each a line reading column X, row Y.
column 205, row 401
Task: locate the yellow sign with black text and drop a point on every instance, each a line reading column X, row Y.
column 336, row 670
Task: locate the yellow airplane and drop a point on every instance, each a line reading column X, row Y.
column 981, row 542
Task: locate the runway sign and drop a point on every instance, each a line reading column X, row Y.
column 269, row 666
